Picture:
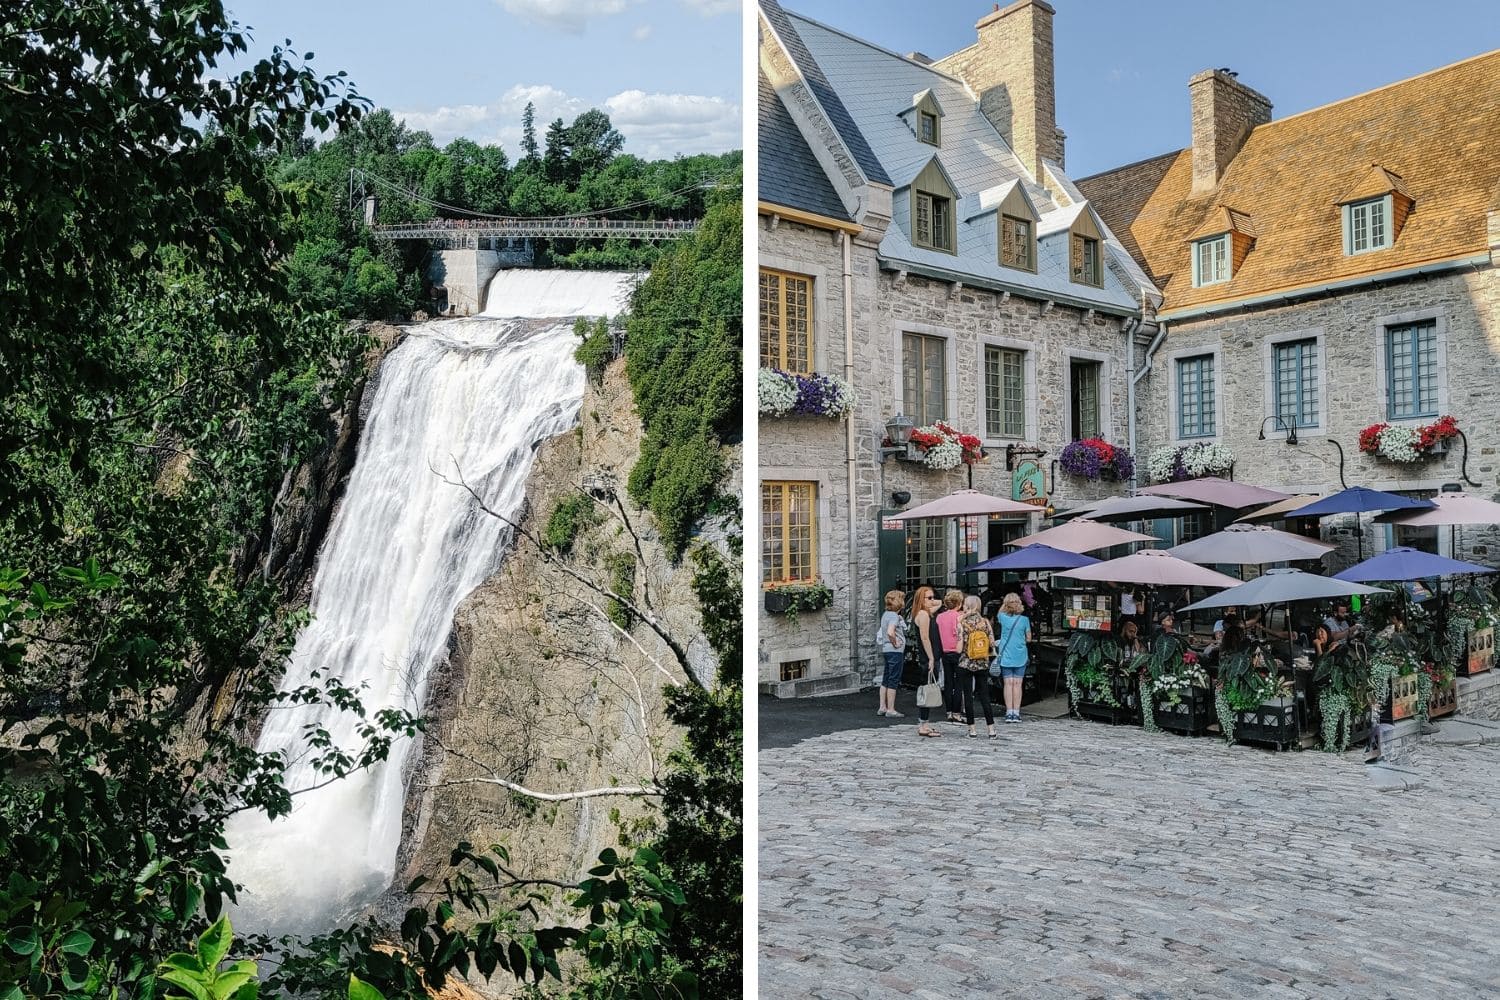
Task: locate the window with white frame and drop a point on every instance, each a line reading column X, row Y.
column 1195, row 397
column 924, row 377
column 1367, row 225
column 1295, row 381
column 1004, row 392
column 1411, row 383
column 1211, row 261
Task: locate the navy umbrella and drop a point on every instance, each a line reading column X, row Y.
column 1037, row 557
column 1357, row 500
column 1404, row 563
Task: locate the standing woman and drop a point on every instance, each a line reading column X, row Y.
column 893, row 645
column 1015, row 633
column 978, row 647
column 947, row 623
column 924, row 607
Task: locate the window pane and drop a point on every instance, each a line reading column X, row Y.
column 797, row 325
column 770, row 320
column 933, row 407
column 1377, row 224
column 924, row 376
column 926, row 553
column 1015, row 394
column 994, row 423
column 940, row 224
column 1195, row 397
column 788, row 532
column 911, row 375
column 1411, row 370
column 921, row 226
column 1023, row 244
column 772, row 511
column 1085, row 379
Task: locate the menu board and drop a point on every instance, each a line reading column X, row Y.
column 1090, row 612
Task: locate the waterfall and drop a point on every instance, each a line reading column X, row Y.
column 404, row 550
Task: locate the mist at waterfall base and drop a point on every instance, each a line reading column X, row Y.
column 466, row 396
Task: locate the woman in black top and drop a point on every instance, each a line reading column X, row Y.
column 924, row 608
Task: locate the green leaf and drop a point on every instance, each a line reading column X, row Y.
column 189, row 983
column 78, row 943
column 214, row 944
column 362, row 991
column 22, row 940
column 227, row 986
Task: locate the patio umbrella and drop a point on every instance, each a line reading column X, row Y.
column 1216, row 491
column 1153, row 569
column 1404, row 563
column 1042, row 558
column 1278, row 510
column 1083, row 535
column 1282, row 586
column 1250, row 545
column 1142, row 508
column 965, row 503
column 1447, row 509
column 1356, row 500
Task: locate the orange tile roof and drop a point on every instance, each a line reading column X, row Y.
column 1439, row 133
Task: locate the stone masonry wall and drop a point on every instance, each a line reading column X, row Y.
column 1350, row 332
column 1224, row 111
column 813, row 449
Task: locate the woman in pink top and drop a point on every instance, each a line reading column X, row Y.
column 948, row 632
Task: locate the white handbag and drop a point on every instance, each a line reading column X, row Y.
column 930, row 695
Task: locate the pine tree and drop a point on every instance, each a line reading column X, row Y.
column 529, row 151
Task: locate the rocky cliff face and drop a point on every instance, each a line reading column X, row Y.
column 540, row 688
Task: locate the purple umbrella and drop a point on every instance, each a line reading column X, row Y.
column 1043, row 558
column 1403, row 563
column 1357, row 500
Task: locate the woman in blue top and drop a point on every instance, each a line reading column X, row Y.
column 1010, row 643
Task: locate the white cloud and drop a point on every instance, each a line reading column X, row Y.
column 571, row 16
column 654, row 125
column 641, row 32
column 710, row 8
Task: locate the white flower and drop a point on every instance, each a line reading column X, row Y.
column 1159, row 463
column 1400, row 444
column 948, row 455
column 777, row 392
column 1207, row 459
column 846, row 400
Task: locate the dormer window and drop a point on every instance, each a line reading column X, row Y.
column 932, row 221
column 1211, row 260
column 927, row 127
column 1086, row 267
column 1374, row 210
column 1017, row 243
column 1367, row 226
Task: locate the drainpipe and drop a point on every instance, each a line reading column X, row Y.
column 850, row 453
column 1131, row 325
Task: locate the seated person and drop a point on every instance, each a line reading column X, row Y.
column 1338, row 626
column 1130, row 639
column 1167, row 625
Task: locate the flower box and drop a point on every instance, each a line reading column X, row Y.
column 1481, row 652
column 784, row 394
column 943, row 447
column 1190, row 716
column 1094, row 459
column 1444, row 699
column 1403, row 701
column 789, row 600
column 1273, row 723
column 1127, row 712
column 1404, row 443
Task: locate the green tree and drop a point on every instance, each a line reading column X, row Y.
column 529, row 152
column 555, row 159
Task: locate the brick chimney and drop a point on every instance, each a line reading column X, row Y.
column 1224, row 112
column 1011, row 70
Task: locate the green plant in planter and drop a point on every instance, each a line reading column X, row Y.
column 1343, row 677
column 1246, row 681
column 1090, row 664
column 801, row 597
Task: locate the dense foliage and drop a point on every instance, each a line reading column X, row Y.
column 682, row 353
column 173, row 349
column 338, row 265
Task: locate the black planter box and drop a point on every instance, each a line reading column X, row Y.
column 779, row 602
column 1128, row 712
column 1269, row 724
column 1191, row 716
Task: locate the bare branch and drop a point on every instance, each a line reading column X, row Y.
column 652, row 621
column 634, row 791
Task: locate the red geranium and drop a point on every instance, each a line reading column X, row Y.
column 1441, row 429
column 1102, row 448
column 1369, row 439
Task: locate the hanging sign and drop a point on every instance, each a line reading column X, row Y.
column 1028, row 484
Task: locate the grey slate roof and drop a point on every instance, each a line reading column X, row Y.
column 827, row 97
column 877, row 86
column 789, row 173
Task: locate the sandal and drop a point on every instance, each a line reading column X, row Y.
column 929, row 733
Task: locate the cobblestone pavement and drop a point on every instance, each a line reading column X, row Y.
column 1072, row 859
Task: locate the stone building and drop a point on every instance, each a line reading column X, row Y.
column 1324, row 273
column 920, row 239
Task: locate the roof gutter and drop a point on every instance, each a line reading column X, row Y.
column 808, row 218
column 1311, row 291
column 990, row 284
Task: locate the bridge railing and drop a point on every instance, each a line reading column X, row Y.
column 541, row 228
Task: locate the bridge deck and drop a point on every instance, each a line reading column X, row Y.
column 467, row 232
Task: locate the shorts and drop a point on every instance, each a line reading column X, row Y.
column 893, row 663
column 1013, row 673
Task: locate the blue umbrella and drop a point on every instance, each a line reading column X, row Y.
column 1034, row 557
column 1357, row 500
column 1404, row 563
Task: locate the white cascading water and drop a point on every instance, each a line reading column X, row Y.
column 469, row 396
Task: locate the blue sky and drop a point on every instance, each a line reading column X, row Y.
column 666, row 71
column 1122, row 67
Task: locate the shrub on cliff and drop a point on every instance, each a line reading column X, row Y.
column 683, row 358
